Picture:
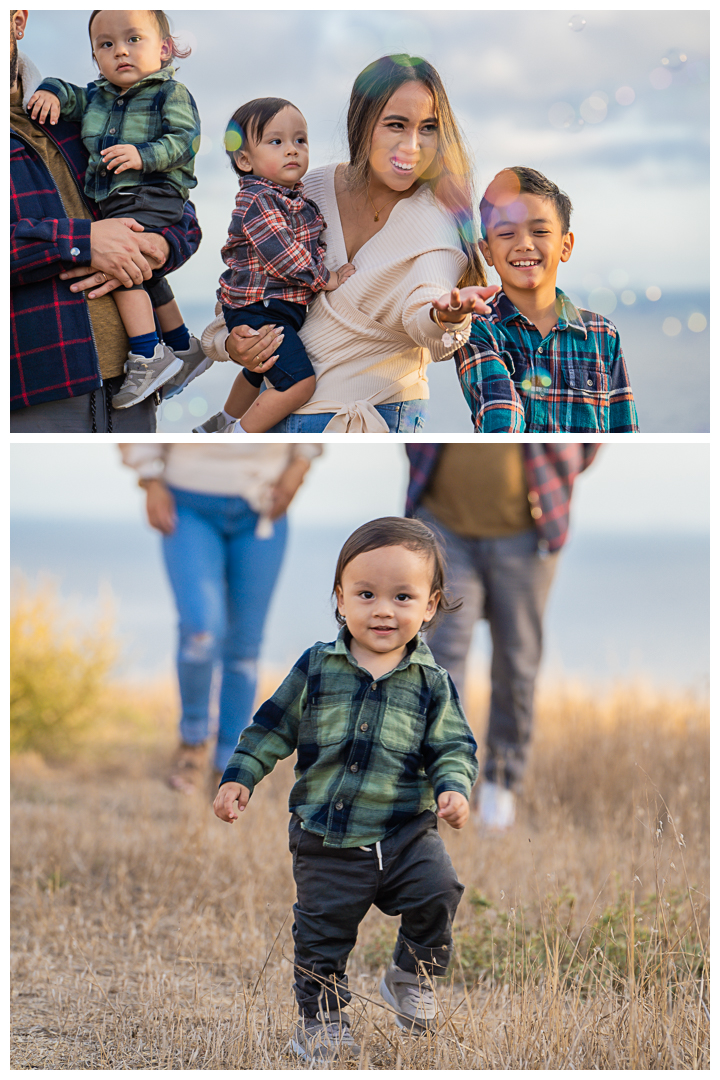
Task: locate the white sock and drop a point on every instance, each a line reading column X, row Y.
column 239, row 428
column 230, row 419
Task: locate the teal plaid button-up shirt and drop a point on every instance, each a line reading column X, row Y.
column 573, row 380
column 371, row 753
column 157, row 115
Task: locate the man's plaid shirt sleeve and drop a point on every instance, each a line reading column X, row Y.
column 273, row 734
column 449, row 748
column 274, row 243
column 487, row 384
column 42, row 249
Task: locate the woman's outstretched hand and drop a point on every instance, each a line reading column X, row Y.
column 464, row 301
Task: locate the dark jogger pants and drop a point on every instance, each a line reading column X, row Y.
column 336, row 887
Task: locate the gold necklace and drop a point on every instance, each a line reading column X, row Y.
column 378, row 212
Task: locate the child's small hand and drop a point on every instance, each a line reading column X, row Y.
column 121, row 157
column 337, row 277
column 453, row 808
column 227, row 796
column 43, row 102
column 455, row 305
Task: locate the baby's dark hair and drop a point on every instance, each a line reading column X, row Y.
column 521, row 180
column 398, row 532
column 163, row 26
column 251, row 119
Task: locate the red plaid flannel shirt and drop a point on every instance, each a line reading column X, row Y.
column 273, row 250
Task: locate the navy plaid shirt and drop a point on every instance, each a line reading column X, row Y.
column 274, row 250
column 52, row 351
column 574, row 379
column 550, row 471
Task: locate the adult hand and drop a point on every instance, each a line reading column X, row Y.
column 453, row 808
column 115, row 250
column 452, row 307
column 160, row 507
column 286, row 488
column 227, row 796
column 121, row 157
column 254, row 349
column 154, row 247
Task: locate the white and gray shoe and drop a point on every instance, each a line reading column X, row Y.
column 495, row 808
column 216, row 425
column 143, row 376
column 412, row 997
column 194, row 362
column 326, row 1037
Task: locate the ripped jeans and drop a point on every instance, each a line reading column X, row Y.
column 223, row 578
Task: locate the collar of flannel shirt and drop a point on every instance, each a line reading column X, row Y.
column 251, row 181
column 569, row 317
column 156, row 76
column 417, row 653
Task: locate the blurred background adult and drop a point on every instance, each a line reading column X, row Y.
column 401, row 211
column 502, row 510
column 221, row 511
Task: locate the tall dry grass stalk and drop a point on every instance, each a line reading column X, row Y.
column 149, row 935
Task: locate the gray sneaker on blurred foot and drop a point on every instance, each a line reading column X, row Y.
column 324, row 1038
column 143, row 376
column 412, row 997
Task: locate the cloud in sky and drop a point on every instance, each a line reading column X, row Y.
column 510, row 76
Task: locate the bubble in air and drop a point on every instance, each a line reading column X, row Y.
column 653, row 292
column 660, row 78
column 172, row 411
column 674, row 59
column 561, row 115
column 603, row 301
column 233, row 137
column 628, row 297
column 594, row 109
column 577, row 23
column 697, row 322
column 198, row 406
column 625, row 95
column 671, row 327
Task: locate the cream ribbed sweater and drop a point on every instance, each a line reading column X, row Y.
column 370, row 341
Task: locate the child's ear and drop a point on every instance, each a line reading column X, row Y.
column 432, row 605
column 567, row 246
column 339, row 600
column 485, row 248
column 242, row 161
column 166, row 50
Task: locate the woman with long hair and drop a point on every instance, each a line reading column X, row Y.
column 402, row 211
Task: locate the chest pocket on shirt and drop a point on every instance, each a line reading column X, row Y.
column 403, row 724
column 588, row 376
column 329, row 714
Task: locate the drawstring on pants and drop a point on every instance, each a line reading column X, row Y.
column 378, row 852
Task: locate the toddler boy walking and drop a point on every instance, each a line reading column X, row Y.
column 382, row 743
column 536, row 362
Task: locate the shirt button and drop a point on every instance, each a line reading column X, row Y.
column 540, row 349
column 363, row 727
column 338, row 806
column 75, row 252
column 113, row 130
column 374, row 686
column 354, row 768
column 589, row 382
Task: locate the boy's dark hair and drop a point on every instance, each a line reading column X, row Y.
column 521, row 180
column 251, row 119
column 397, row 532
column 163, row 26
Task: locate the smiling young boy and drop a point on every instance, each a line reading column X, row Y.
column 382, row 743
column 142, row 130
column 537, row 363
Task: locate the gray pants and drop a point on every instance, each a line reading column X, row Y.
column 336, row 887
column 87, row 413
column 507, row 582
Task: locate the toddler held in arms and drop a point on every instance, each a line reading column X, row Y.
column 142, row 130
column 274, row 257
column 383, row 751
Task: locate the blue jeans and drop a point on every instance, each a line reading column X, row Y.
column 400, row 416
column 223, row 578
column 506, row 581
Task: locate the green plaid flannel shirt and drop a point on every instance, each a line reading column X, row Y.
column 371, row 753
column 157, row 115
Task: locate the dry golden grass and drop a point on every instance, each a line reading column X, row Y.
column 149, row 935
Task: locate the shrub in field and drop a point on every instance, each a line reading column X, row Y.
column 58, row 671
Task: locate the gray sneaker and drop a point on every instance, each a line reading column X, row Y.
column 412, row 997
column 324, row 1038
column 194, row 362
column 143, row 376
column 215, row 425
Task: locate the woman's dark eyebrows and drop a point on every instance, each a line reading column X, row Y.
column 406, row 119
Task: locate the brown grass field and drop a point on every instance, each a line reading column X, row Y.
column 149, row 935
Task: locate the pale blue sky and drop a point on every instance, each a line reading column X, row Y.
column 656, row 488
column 638, row 177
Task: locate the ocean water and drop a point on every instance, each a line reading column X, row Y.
column 623, row 606
column 670, row 375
